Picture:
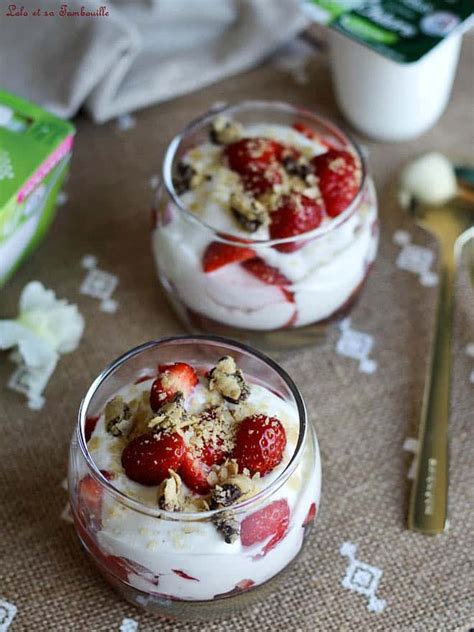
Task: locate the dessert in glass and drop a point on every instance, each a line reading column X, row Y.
column 194, row 475
column 265, row 224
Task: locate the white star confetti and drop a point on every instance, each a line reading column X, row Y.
column 7, row 613
column 412, row 445
column 154, row 182
column 128, row 625
column 126, row 122
column 99, row 284
column 470, row 353
column 362, row 578
column 416, row 259
column 66, row 513
column 62, row 198
column 357, row 345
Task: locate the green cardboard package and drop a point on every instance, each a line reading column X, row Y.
column 35, row 149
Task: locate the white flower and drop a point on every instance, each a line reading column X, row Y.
column 45, row 328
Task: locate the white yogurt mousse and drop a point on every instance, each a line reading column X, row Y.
column 322, row 275
column 188, row 558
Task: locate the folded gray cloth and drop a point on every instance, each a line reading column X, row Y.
column 142, row 52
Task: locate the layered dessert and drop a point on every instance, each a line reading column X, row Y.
column 222, row 485
column 272, row 226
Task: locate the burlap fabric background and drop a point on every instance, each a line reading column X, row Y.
column 362, row 419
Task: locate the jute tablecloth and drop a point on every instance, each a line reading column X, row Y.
column 363, row 419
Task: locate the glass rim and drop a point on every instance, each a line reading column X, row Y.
column 203, row 119
column 195, row 515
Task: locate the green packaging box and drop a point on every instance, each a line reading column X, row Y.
column 35, row 149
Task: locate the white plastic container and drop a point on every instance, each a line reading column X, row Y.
column 387, row 100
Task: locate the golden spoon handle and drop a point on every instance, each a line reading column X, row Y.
column 429, row 494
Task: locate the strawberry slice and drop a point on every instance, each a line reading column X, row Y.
column 266, row 273
column 218, row 254
column 339, row 179
column 247, row 152
column 310, row 515
column 172, row 379
column 296, row 214
column 272, row 276
column 270, row 522
column 184, row 575
column 89, row 499
column 259, row 444
column 305, row 130
column 148, row 458
column 89, row 427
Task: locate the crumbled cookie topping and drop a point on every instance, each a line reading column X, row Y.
column 118, row 417
column 224, row 131
column 249, row 213
column 214, row 426
column 172, row 416
column 228, row 526
column 229, row 381
column 183, row 178
column 300, row 167
column 170, row 493
column 141, row 415
column 237, row 487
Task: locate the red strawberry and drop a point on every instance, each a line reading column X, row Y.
column 256, row 160
column 272, row 520
column 305, row 130
column 310, row 515
column 90, row 498
column 184, row 575
column 172, row 379
column 246, row 152
column 148, row 458
column 339, row 179
column 259, row 443
column 260, row 178
column 266, row 273
column 296, row 214
column 194, row 473
column 272, row 276
column 89, row 427
column 218, row 254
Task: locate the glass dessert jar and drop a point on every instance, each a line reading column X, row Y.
column 164, row 546
column 265, row 224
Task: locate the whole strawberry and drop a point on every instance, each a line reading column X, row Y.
column 296, row 214
column 259, row 444
column 244, row 154
column 257, row 162
column 149, row 458
column 339, row 179
column 172, row 379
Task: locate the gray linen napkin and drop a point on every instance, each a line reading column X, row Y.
column 142, row 52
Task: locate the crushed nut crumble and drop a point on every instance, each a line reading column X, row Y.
column 224, row 131
column 229, row 381
column 249, row 213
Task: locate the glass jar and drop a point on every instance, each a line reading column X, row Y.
column 176, row 563
column 320, row 273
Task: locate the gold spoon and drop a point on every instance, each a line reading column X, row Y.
column 452, row 223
